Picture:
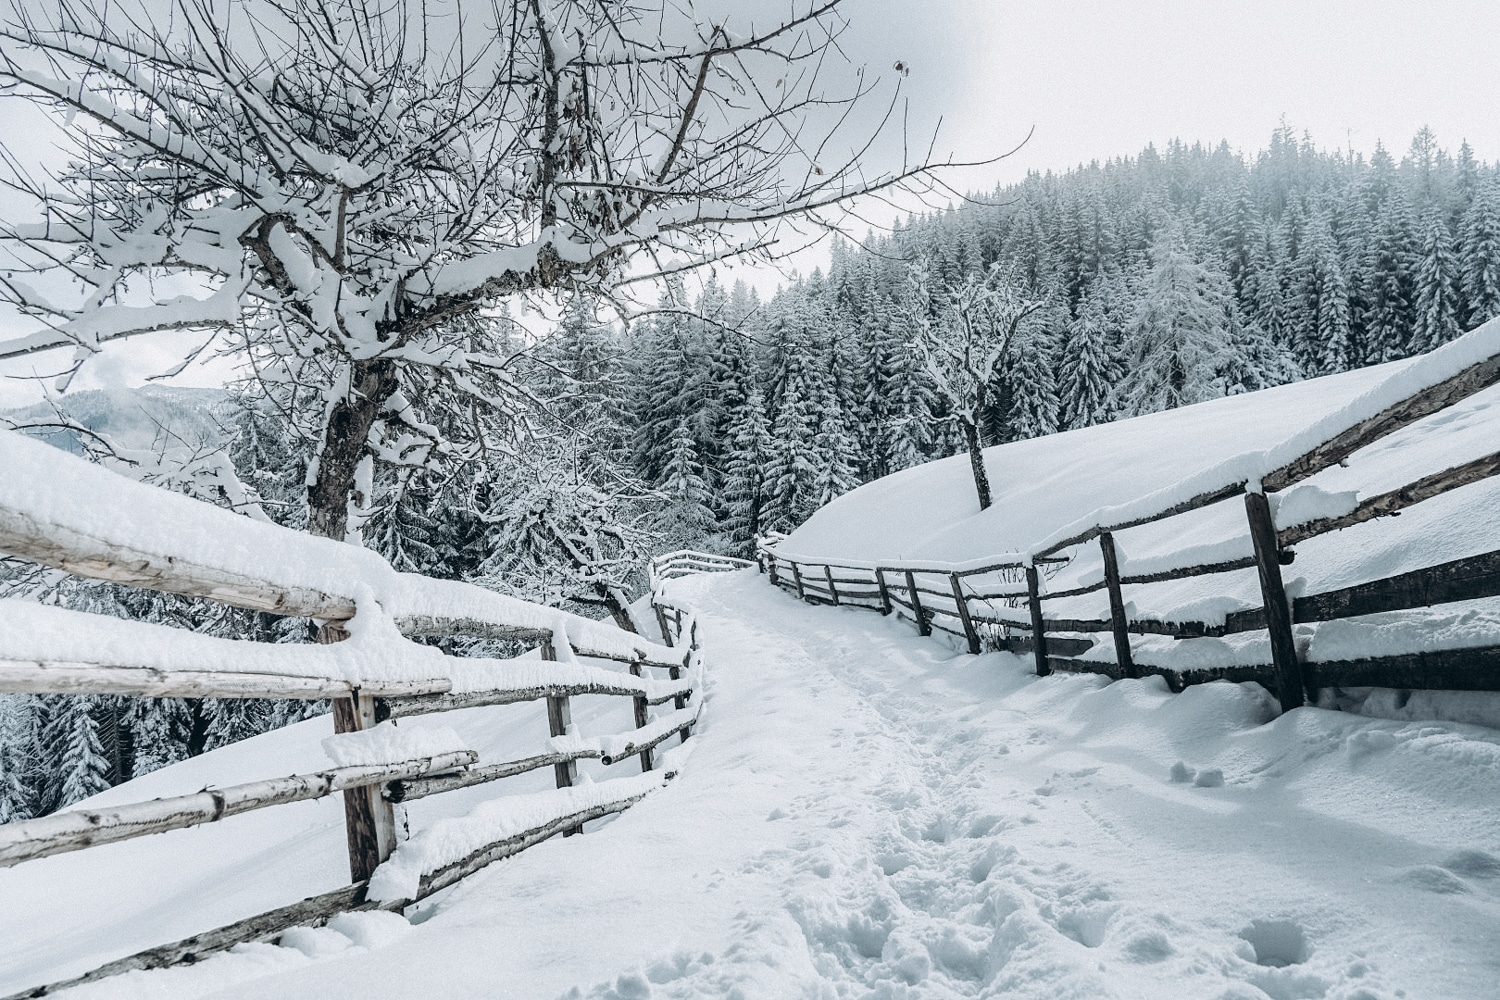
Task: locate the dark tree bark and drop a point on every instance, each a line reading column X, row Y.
column 976, row 462
column 371, row 383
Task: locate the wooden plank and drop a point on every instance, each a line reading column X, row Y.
column 885, row 594
column 1202, row 569
column 1056, row 645
column 1205, row 499
column 437, row 627
column 1476, row 669
column 369, row 820
column 833, row 591
column 59, row 677
column 400, row 708
column 923, row 625
column 100, row 559
column 311, row 912
column 1388, row 504
column 1116, row 604
column 1465, row 579
column 963, row 614
column 1038, row 630
column 648, row 745
column 511, row 846
column 1289, row 681
column 406, row 790
column 1475, row 378
column 75, row 829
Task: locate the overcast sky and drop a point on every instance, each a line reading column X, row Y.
column 1101, row 78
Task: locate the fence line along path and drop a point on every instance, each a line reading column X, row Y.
column 1004, row 603
column 62, row 512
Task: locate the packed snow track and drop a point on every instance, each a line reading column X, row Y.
column 866, row 813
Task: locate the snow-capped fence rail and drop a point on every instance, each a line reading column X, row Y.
column 62, row 512
column 982, row 602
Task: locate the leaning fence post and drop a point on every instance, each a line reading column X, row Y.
column 1116, row 605
column 661, row 622
column 1273, row 593
column 923, row 625
column 641, row 717
column 1038, row 633
column 559, row 720
column 963, row 613
column 797, row 575
column 832, row 590
column 885, row 595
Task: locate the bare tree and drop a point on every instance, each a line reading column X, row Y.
column 342, row 191
column 964, row 350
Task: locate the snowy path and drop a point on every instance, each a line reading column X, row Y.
column 866, row 814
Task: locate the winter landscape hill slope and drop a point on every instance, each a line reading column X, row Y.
column 865, row 813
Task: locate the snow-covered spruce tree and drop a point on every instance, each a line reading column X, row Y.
column 745, row 484
column 1088, row 370
column 1320, row 321
column 68, row 736
column 1479, row 255
column 1435, row 321
column 1187, row 341
column 684, row 519
column 965, row 349
column 341, row 190
column 19, row 753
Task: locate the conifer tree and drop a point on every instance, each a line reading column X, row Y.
column 746, row 485
column 1088, row 369
column 1479, row 255
column 1436, row 319
column 685, row 521
column 69, row 737
column 1320, row 329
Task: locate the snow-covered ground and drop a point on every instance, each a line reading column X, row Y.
column 865, row 813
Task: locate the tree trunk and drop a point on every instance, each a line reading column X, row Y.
column 976, row 462
column 371, row 383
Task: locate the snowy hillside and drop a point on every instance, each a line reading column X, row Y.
column 868, row 815
column 1047, row 489
column 132, row 419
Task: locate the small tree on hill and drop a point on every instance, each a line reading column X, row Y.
column 964, row 350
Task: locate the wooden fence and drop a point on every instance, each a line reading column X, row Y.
column 1003, row 603
column 370, row 790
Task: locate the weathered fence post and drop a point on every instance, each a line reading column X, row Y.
column 963, row 613
column 832, row 590
column 1116, row 605
column 1273, row 593
column 885, row 595
column 797, row 576
column 923, row 625
column 559, row 720
column 369, row 820
column 661, row 621
column 1038, row 633
column 771, row 570
column 642, row 717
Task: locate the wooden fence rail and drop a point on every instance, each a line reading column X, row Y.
column 1012, row 614
column 72, row 540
